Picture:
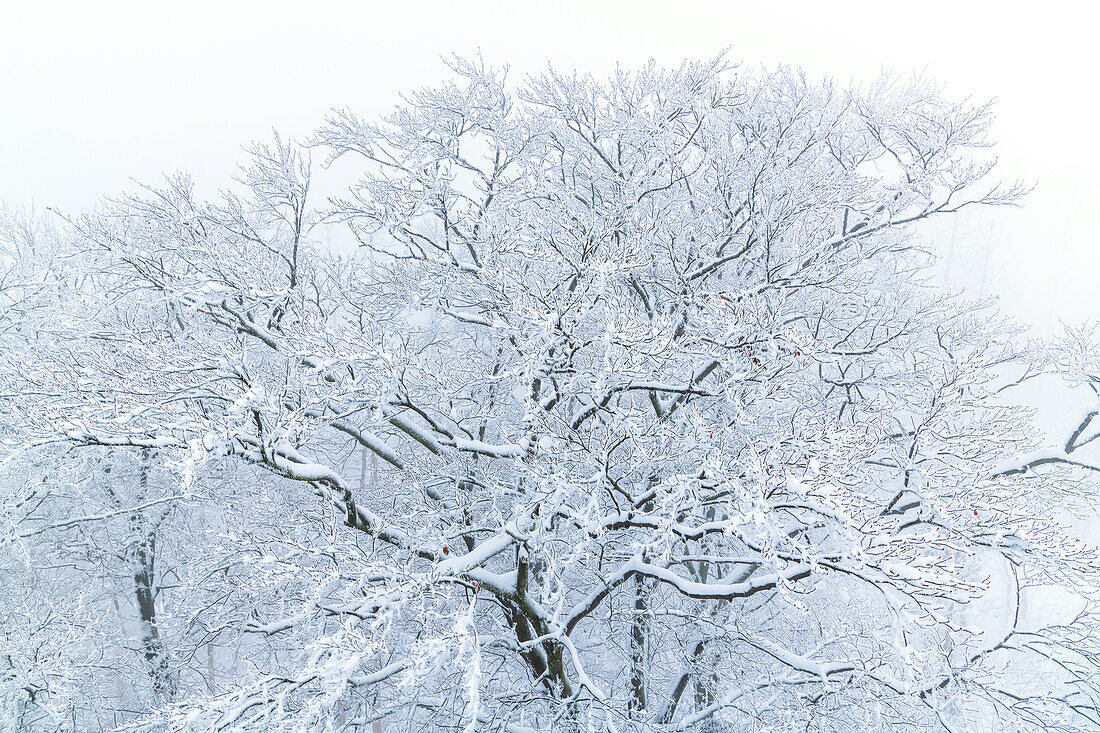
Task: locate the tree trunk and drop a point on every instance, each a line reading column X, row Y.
column 639, row 631
column 145, row 593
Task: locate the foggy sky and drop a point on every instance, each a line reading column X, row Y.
column 93, row 95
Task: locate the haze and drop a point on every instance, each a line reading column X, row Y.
column 99, row 96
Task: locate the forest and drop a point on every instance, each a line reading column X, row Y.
column 583, row 404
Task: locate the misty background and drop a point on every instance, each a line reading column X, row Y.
column 97, row 95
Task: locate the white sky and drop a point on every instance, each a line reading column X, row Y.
column 95, row 94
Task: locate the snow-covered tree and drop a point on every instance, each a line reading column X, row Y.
column 634, row 410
